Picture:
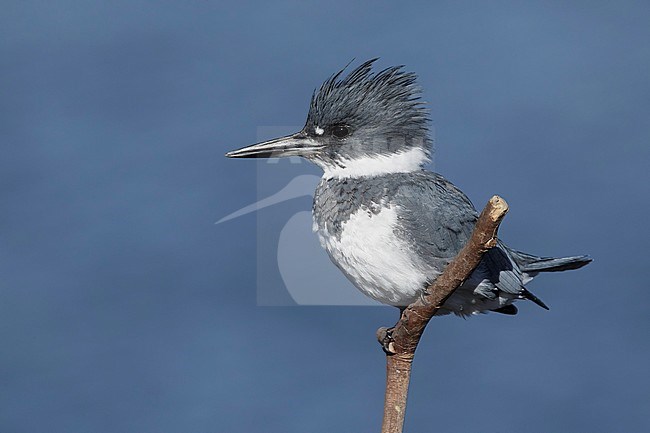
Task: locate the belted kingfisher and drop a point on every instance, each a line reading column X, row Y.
column 387, row 223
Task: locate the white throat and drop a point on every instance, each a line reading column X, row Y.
column 376, row 165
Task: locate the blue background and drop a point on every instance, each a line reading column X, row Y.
column 123, row 308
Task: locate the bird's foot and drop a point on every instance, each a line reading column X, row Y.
column 385, row 338
column 423, row 297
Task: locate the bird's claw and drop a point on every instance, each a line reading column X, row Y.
column 385, row 338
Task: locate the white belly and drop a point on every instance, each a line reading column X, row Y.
column 378, row 262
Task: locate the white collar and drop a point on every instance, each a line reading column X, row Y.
column 375, row 165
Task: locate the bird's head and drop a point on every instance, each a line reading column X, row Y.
column 363, row 124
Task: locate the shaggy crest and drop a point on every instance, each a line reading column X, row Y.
column 388, row 102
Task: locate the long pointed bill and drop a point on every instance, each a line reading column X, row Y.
column 297, row 144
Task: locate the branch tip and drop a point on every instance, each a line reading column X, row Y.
column 497, row 208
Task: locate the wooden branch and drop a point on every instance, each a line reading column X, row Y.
column 401, row 341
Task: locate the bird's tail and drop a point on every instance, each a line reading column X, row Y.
column 532, row 264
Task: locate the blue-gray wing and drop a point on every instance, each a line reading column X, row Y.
column 435, row 216
column 437, row 219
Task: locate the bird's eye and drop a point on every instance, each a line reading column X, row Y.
column 340, row 131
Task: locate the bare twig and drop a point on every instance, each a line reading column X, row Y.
column 401, row 341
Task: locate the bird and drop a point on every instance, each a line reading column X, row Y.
column 389, row 224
